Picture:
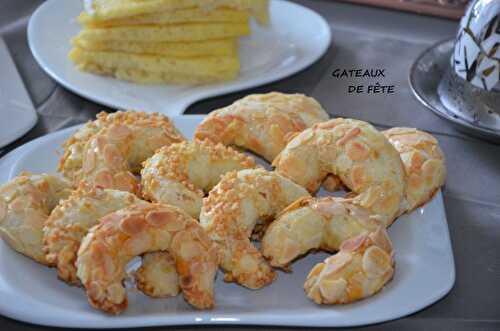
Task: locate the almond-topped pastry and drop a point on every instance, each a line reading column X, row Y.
column 136, row 230
column 181, row 174
column 360, row 269
column 110, row 150
column 70, row 221
column 386, row 177
column 231, row 212
column 25, row 204
column 72, row 218
column 262, row 123
column 315, row 223
column 423, row 161
column 357, row 154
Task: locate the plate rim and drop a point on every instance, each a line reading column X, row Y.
column 31, row 117
column 11, row 159
column 181, row 105
column 458, row 122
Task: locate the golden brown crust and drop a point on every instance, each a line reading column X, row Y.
column 315, row 223
column 70, row 221
column 357, row 154
column 181, row 174
column 424, row 164
column 25, row 203
column 140, row 229
column 361, row 159
column 360, row 269
column 230, row 213
column 262, row 123
column 364, row 161
column 108, row 151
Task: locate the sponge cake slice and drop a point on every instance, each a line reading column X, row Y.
column 197, row 66
column 149, row 77
column 222, row 47
column 168, row 33
column 103, row 10
column 191, row 15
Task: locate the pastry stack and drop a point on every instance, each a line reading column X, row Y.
column 165, row 41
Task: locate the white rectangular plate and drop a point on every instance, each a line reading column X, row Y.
column 425, row 272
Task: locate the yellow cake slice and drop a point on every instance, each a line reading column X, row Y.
column 103, row 10
column 222, row 47
column 212, row 67
column 168, row 33
column 149, row 77
column 165, row 41
column 191, row 15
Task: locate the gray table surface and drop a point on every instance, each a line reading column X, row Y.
column 363, row 38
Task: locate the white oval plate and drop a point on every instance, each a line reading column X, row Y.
column 296, row 38
column 425, row 272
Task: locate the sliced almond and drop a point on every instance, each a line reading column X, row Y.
column 335, row 264
column 357, row 151
column 89, row 162
column 95, row 291
column 137, row 245
column 19, row 204
column 133, row 224
column 330, row 208
column 125, row 181
column 376, row 262
column 354, row 243
column 175, row 224
column 316, row 270
column 116, row 293
column 333, row 291
column 112, row 155
column 189, row 250
column 160, row 218
column 119, row 132
column 352, row 133
column 381, row 239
